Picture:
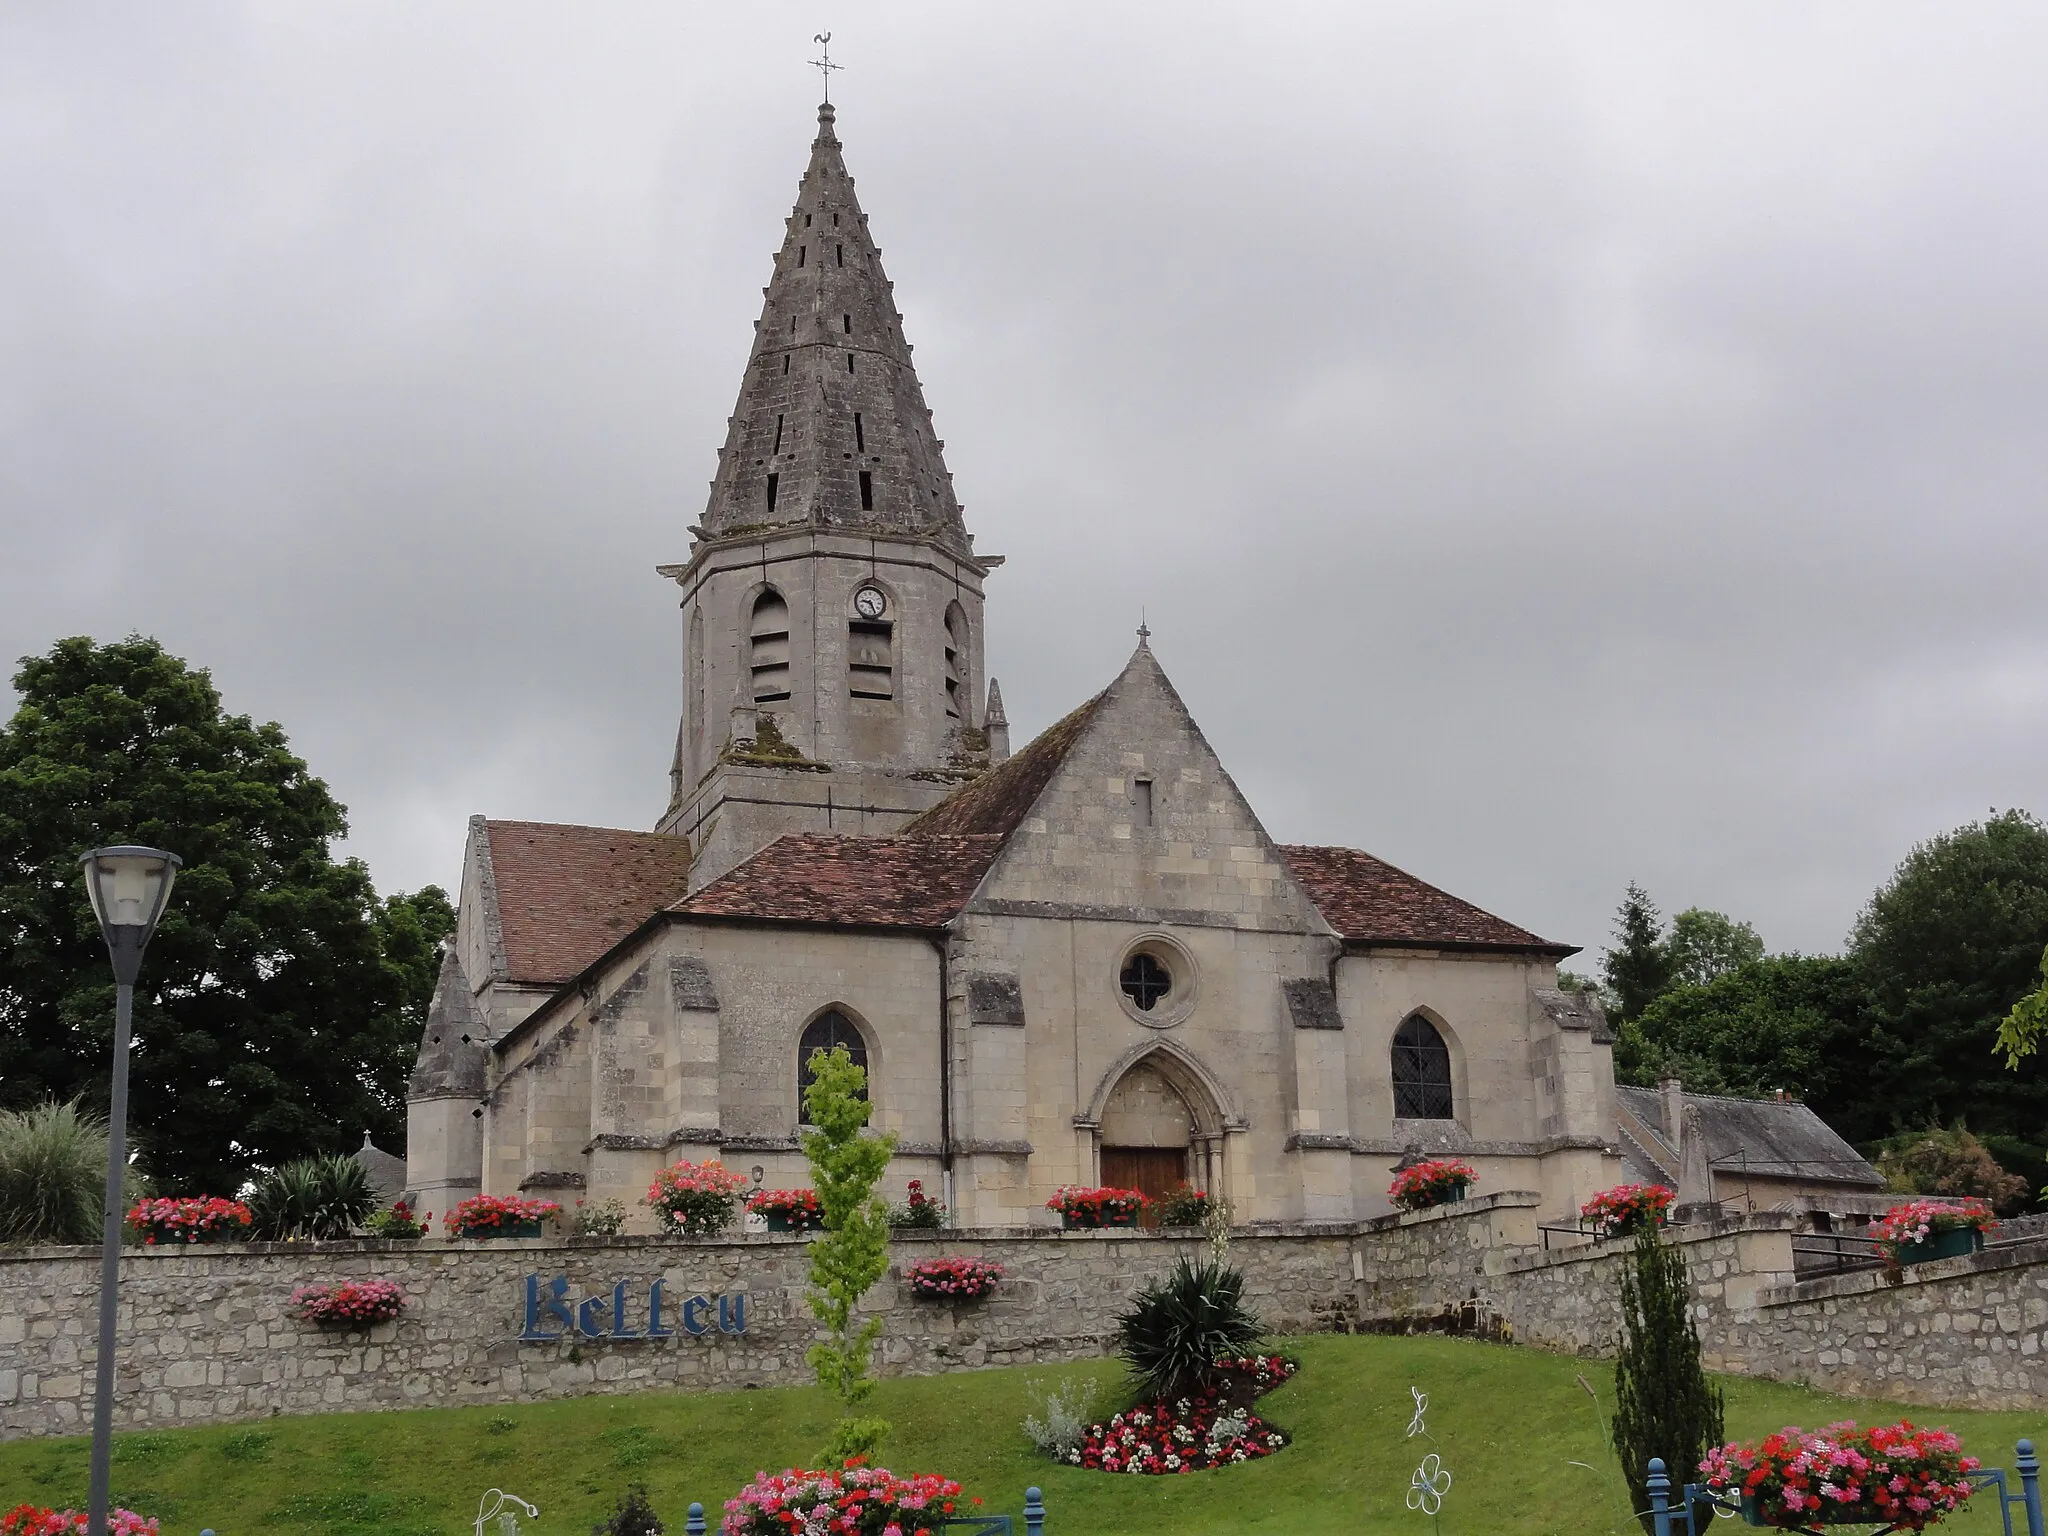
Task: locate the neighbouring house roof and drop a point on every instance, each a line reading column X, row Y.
column 893, row 882
column 566, row 895
column 1368, row 901
column 1767, row 1138
column 385, row 1172
column 996, row 803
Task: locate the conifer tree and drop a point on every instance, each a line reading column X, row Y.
column 1663, row 1403
column 1637, row 968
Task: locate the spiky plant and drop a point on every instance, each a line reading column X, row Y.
column 1178, row 1327
column 53, row 1174
column 313, row 1197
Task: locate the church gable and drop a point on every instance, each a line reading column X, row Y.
column 1138, row 817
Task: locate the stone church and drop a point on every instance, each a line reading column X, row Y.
column 1082, row 963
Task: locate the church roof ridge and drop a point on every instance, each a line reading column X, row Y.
column 831, row 429
column 839, row 880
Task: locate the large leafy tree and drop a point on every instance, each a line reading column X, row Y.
column 1947, row 947
column 1790, row 1022
column 281, row 1000
column 1704, row 945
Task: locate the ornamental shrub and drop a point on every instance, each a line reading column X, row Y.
column 397, row 1222
column 607, row 1218
column 1068, row 1410
column 920, row 1213
column 1184, row 1206
column 847, row 1162
column 634, row 1516
column 1664, row 1405
column 695, row 1199
column 1178, row 1327
column 314, row 1197
column 53, row 1175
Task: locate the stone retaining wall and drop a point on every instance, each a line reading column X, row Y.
column 205, row 1335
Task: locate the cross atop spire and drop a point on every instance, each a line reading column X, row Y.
column 823, row 63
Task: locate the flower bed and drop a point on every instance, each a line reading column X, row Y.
column 1842, row 1475
column 1191, row 1434
column 34, row 1520
column 191, row 1219
column 919, row 1212
column 857, row 1500
column 695, row 1199
column 1103, row 1207
column 1183, row 1206
column 1437, row 1181
column 499, row 1216
column 1627, row 1208
column 351, row 1304
column 1920, row 1230
column 956, row 1279
column 788, row 1210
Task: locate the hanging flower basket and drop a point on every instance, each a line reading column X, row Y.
column 957, row 1279
column 1626, row 1209
column 1889, row 1474
column 1108, row 1206
column 787, row 1210
column 1920, row 1231
column 486, row 1216
column 695, row 1199
column 351, row 1304
column 191, row 1219
column 1438, row 1181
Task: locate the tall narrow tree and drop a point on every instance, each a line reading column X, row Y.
column 1664, row 1405
column 1637, row 967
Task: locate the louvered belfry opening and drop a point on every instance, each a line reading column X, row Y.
column 831, row 412
column 768, row 648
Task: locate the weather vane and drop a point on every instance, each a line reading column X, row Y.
column 824, row 64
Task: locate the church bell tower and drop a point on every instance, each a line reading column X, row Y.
column 832, row 599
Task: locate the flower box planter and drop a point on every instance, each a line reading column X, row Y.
column 1951, row 1244
column 1425, row 1185
column 790, row 1221
column 502, row 1229
column 183, row 1220
column 482, row 1217
column 1891, row 1475
column 1752, row 1514
column 1088, row 1221
column 787, row 1210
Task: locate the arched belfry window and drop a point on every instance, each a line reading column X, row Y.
column 768, row 647
column 827, row 1030
column 956, row 658
column 1422, row 1071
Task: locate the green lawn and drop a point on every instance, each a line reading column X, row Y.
column 1513, row 1425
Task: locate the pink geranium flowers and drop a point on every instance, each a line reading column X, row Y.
column 33, row 1520
column 1891, row 1474
column 351, row 1304
column 190, row 1219
column 1436, row 1181
column 953, row 1279
column 857, row 1500
column 1627, row 1208
column 695, row 1199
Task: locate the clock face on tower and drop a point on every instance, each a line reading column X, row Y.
column 869, row 603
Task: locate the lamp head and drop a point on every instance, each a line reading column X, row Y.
column 129, row 888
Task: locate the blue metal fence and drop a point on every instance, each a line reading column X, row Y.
column 1697, row 1502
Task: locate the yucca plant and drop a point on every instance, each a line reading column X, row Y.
column 313, row 1197
column 1178, row 1327
column 53, row 1174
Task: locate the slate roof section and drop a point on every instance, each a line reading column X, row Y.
column 996, row 804
column 1369, row 901
column 863, row 882
column 567, row 894
column 1770, row 1138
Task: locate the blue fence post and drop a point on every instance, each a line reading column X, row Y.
column 1659, row 1487
column 695, row 1527
column 1034, row 1512
column 2030, row 1485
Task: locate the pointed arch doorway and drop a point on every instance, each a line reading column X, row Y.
column 1159, row 1128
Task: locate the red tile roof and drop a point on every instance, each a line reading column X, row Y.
column 807, row 877
column 567, row 894
column 997, row 801
column 1369, row 901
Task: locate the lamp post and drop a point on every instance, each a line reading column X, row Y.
column 129, row 888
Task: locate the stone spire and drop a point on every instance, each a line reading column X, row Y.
column 997, row 724
column 831, row 430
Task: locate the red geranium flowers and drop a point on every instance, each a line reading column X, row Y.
column 1889, row 1474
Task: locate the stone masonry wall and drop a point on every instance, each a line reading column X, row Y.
column 205, row 1337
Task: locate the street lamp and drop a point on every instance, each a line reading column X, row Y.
column 129, row 888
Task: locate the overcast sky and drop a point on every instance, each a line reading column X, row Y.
column 1553, row 445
